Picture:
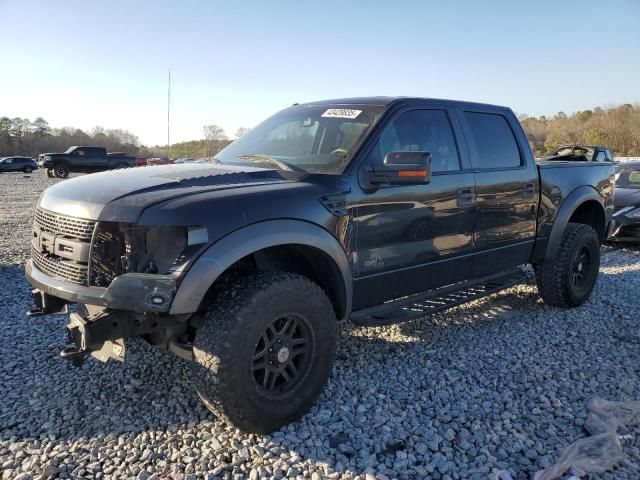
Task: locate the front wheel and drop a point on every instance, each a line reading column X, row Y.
column 27, row 169
column 61, row 171
column 265, row 350
column 568, row 279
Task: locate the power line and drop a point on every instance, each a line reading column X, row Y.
column 168, row 113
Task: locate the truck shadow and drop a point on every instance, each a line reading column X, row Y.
column 355, row 424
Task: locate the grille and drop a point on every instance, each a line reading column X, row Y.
column 60, row 268
column 106, row 251
column 63, row 225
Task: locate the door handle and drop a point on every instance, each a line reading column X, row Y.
column 465, row 197
column 528, row 190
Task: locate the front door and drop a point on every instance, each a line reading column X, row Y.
column 413, row 238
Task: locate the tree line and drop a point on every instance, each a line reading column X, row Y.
column 20, row 136
column 617, row 127
column 215, row 139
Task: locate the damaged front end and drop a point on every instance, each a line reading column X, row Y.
column 122, row 276
column 100, row 332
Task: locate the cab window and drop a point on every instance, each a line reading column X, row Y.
column 495, row 143
column 426, row 131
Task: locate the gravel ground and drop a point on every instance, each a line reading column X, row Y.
column 498, row 384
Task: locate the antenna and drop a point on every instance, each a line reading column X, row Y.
column 168, row 113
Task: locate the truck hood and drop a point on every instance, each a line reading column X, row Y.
column 122, row 195
column 625, row 197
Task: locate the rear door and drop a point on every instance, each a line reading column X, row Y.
column 507, row 189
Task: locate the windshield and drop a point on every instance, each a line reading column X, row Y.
column 629, row 178
column 70, row 149
column 310, row 138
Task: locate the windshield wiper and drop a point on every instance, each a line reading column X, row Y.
column 269, row 161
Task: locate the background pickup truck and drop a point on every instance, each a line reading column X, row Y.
column 377, row 210
column 580, row 153
column 83, row 160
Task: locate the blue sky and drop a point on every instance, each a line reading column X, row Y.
column 83, row 63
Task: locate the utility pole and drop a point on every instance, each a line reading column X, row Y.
column 168, row 113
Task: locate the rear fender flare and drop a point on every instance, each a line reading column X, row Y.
column 569, row 205
column 237, row 245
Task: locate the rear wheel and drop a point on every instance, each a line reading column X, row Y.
column 568, row 279
column 265, row 350
column 61, row 171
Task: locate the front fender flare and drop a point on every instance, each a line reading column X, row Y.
column 236, row 245
column 569, row 205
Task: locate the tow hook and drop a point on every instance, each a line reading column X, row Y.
column 74, row 354
column 45, row 304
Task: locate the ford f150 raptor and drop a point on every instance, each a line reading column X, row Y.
column 376, row 210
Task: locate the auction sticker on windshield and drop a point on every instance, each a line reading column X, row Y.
column 341, row 113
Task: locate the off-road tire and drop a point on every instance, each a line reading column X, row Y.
column 61, row 171
column 50, row 172
column 27, row 169
column 226, row 342
column 554, row 277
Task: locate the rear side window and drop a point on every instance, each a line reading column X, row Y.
column 495, row 144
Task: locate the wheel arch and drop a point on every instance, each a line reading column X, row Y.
column 583, row 205
column 290, row 245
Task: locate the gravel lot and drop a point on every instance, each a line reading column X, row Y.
column 498, row 384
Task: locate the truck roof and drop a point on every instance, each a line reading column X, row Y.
column 389, row 101
column 566, row 145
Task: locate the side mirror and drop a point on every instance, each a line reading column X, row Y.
column 402, row 168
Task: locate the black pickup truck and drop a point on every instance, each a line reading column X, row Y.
column 376, row 210
column 83, row 160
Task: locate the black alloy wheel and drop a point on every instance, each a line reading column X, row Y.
column 283, row 354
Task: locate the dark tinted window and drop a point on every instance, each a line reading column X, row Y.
column 495, row 143
column 426, row 131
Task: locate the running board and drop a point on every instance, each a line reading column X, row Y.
column 423, row 304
